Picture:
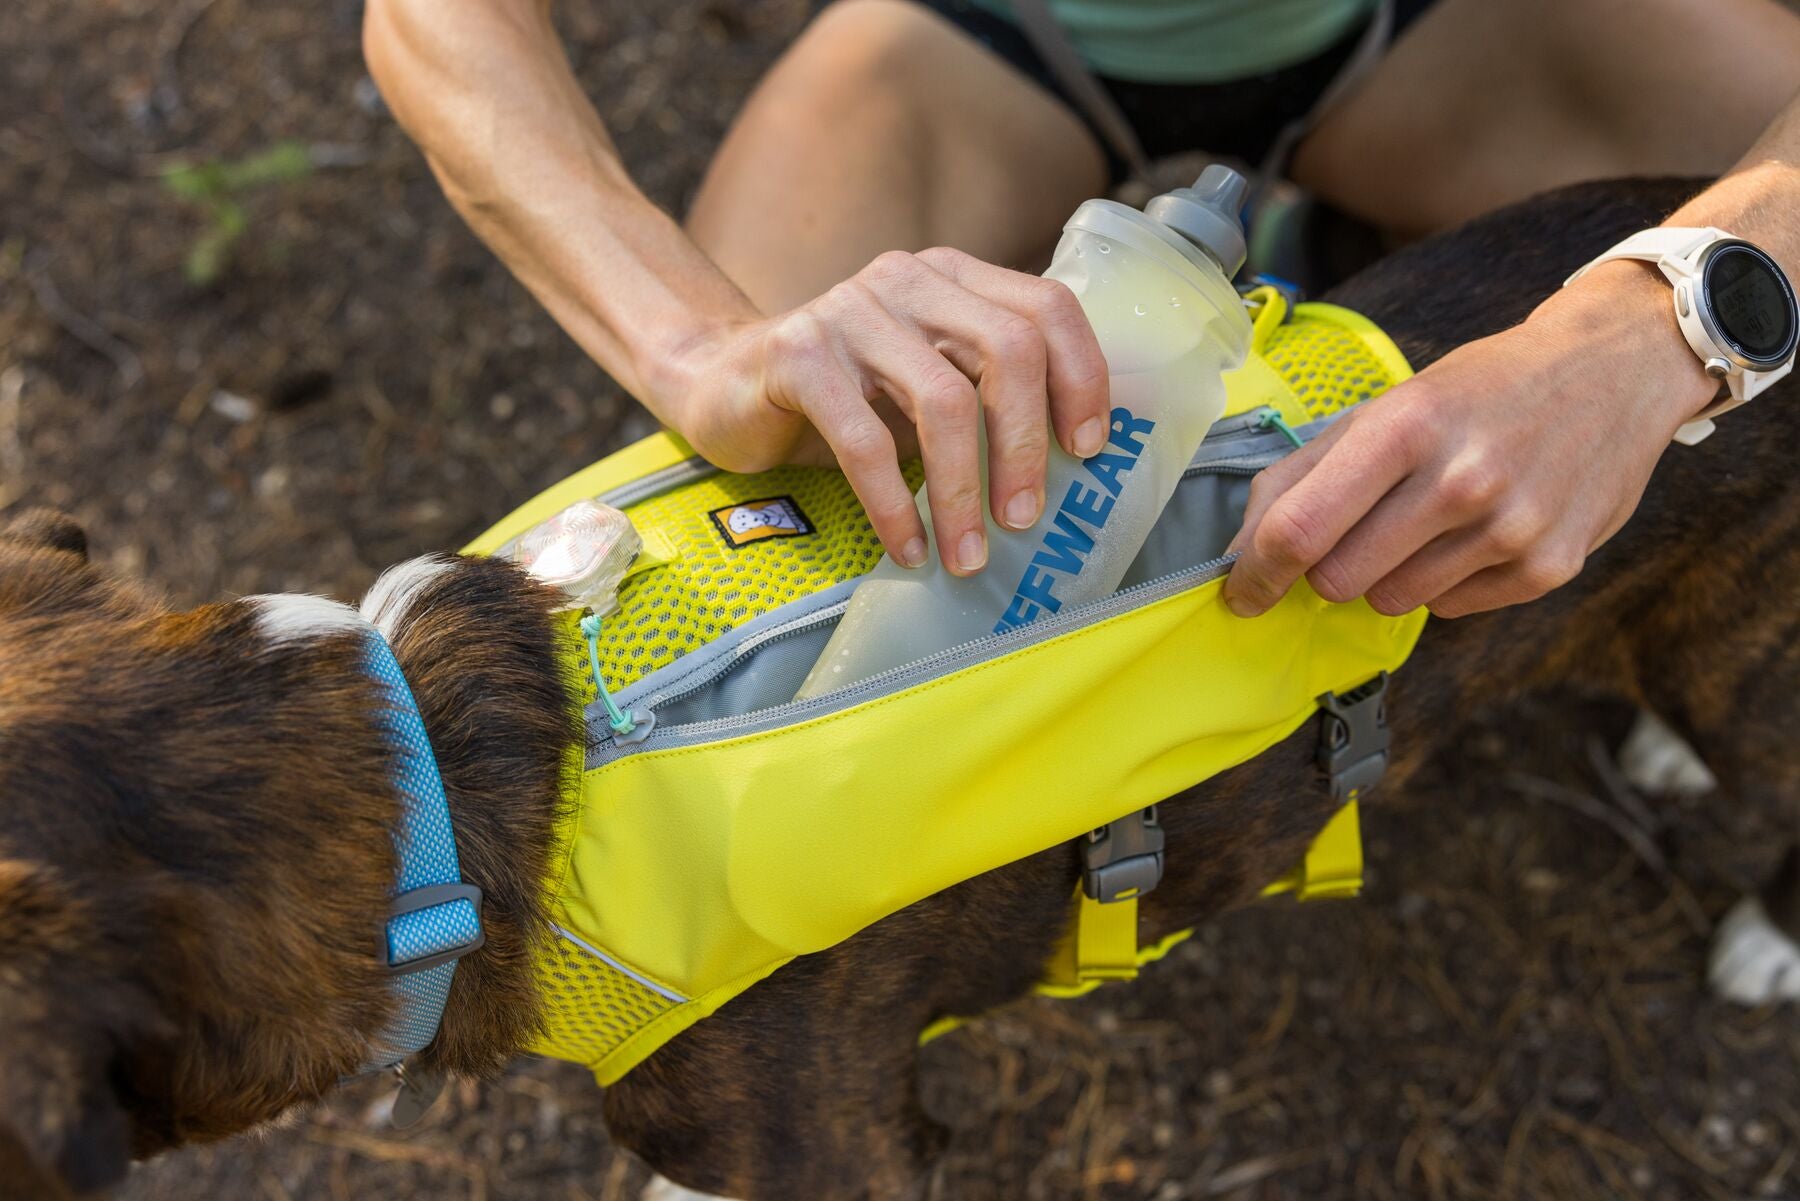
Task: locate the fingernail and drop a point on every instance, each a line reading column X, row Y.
column 1089, row 437
column 913, row 553
column 1022, row 509
column 1240, row 606
column 971, row 552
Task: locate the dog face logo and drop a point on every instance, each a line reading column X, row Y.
column 755, row 520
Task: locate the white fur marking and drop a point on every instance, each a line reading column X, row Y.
column 661, row 1189
column 296, row 617
column 1656, row 762
column 397, row 589
column 1753, row 962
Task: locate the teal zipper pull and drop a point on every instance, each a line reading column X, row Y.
column 621, row 723
column 1273, row 420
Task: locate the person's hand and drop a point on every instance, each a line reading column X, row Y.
column 914, row 350
column 1487, row 479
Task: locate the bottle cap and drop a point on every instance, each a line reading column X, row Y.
column 1207, row 214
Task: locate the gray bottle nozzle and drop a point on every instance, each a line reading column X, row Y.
column 1207, row 215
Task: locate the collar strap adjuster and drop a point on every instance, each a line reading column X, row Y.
column 434, row 896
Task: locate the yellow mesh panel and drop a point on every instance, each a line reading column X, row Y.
column 592, row 1008
column 711, row 587
column 1328, row 367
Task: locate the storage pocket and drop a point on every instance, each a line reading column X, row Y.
column 747, row 677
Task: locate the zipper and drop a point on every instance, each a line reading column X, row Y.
column 1246, row 426
column 989, row 646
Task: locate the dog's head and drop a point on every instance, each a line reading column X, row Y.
column 184, row 895
column 68, row 1000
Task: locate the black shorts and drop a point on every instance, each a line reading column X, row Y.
column 1239, row 119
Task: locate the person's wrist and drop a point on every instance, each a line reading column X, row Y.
column 1623, row 315
column 675, row 368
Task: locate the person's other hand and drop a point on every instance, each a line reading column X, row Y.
column 914, row 350
column 1487, row 479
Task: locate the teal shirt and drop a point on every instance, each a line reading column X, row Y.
column 1198, row 41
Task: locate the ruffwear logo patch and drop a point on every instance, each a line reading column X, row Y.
column 755, row 520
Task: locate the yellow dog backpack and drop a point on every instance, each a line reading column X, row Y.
column 727, row 828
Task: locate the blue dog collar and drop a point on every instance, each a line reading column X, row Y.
column 434, row 918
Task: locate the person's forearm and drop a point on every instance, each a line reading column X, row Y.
column 1759, row 199
column 485, row 89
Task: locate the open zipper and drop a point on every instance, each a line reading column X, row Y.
column 603, row 749
column 896, row 679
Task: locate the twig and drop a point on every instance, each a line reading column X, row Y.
column 1619, row 788
column 80, row 326
column 1540, row 789
column 616, row 1171
column 1511, row 1166
column 1252, row 1171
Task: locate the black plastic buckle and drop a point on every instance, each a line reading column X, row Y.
column 1353, row 742
column 1123, row 860
column 430, row 897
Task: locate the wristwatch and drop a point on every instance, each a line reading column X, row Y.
column 1734, row 306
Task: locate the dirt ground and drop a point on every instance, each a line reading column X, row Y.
column 1512, row 1011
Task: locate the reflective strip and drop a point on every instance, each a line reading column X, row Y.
column 615, row 965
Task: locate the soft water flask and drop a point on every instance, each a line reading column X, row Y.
column 1156, row 287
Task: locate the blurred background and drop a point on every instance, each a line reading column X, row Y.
column 245, row 340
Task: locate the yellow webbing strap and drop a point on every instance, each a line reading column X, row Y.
column 1102, row 942
column 1333, row 866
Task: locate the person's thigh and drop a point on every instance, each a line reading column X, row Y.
column 1485, row 102
column 886, row 128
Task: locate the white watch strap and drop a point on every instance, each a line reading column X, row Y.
column 1666, row 244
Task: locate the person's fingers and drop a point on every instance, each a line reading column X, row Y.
column 808, row 375
column 1543, row 570
column 1007, row 353
column 1304, row 523
column 1272, row 481
column 1434, row 569
column 1004, row 351
column 895, row 360
column 1076, row 374
column 1404, row 523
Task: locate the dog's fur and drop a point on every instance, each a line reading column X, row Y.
column 194, row 850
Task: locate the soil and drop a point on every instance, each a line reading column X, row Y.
column 1514, row 1009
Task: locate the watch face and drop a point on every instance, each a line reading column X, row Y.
column 1751, row 303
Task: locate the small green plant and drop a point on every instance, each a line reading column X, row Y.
column 217, row 187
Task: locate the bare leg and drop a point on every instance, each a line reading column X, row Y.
column 885, row 128
column 1485, row 102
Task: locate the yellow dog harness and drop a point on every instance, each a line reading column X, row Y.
column 729, row 829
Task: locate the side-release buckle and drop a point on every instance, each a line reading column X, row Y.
column 1353, row 744
column 1123, row 860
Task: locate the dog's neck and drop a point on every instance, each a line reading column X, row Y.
column 475, row 639
column 301, row 892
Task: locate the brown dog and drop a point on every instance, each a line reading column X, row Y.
column 194, row 845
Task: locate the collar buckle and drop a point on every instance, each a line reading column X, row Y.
column 435, row 896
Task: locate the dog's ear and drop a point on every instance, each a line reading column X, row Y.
column 63, row 1130
column 48, row 528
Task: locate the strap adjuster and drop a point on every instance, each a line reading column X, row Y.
column 1123, row 860
column 1353, row 742
column 431, row 897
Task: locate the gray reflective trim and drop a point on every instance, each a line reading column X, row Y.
column 644, row 487
column 616, row 966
